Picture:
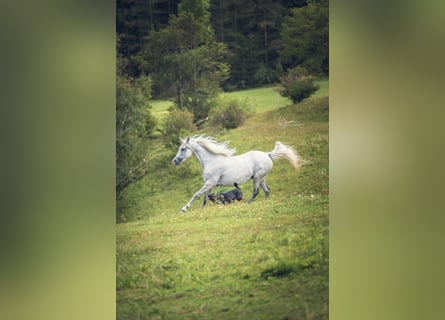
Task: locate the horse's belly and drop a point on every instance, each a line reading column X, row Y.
column 230, row 179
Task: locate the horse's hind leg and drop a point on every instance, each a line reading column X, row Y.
column 265, row 187
column 256, row 185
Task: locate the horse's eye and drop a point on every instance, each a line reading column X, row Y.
column 183, row 149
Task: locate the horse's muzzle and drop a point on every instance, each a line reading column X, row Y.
column 176, row 161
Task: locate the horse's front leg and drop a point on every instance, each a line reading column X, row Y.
column 206, row 187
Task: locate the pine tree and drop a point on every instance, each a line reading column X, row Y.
column 305, row 38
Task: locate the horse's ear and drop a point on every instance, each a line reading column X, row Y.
column 188, row 139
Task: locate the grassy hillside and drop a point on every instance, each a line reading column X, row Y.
column 264, row 260
column 261, row 99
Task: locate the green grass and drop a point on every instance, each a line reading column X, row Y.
column 268, row 98
column 263, row 260
column 226, row 263
column 260, row 99
column 324, row 88
column 160, row 107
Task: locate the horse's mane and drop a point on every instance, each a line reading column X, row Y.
column 212, row 146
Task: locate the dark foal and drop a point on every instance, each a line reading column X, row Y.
column 227, row 197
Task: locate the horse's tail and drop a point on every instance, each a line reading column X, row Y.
column 282, row 150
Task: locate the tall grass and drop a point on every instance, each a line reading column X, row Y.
column 263, row 260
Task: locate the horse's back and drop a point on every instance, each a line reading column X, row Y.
column 260, row 160
column 258, row 157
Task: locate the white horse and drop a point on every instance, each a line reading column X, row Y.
column 220, row 167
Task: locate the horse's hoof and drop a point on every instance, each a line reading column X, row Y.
column 184, row 210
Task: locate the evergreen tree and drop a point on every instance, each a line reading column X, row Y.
column 305, row 35
column 134, row 20
column 251, row 30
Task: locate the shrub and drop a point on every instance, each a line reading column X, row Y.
column 178, row 124
column 229, row 114
column 297, row 84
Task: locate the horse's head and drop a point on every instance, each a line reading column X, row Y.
column 184, row 152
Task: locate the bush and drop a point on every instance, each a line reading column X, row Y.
column 229, row 114
column 178, row 124
column 297, row 84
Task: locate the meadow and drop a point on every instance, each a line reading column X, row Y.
column 261, row 99
column 263, row 260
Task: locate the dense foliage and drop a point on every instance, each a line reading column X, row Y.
column 263, row 37
column 305, row 38
column 187, row 64
column 134, row 124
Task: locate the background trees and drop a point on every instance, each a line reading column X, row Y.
column 305, row 37
column 134, row 20
column 187, row 64
column 263, row 38
column 134, row 124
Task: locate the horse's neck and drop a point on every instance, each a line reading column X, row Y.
column 203, row 155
